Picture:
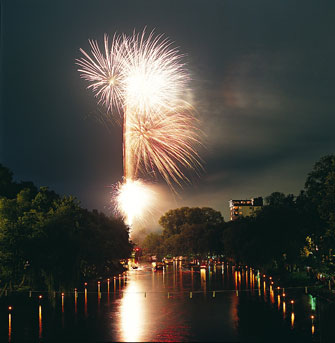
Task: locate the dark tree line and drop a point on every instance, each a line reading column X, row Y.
column 273, row 238
column 289, row 232
column 194, row 232
column 48, row 241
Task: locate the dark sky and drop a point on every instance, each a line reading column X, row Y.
column 262, row 78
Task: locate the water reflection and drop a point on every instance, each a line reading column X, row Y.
column 75, row 300
column 313, row 327
column 62, row 302
column 108, row 281
column 158, row 306
column 40, row 321
column 292, row 319
column 312, row 301
column 9, row 327
column 258, row 282
column 132, row 314
column 234, row 309
column 284, row 309
column 246, row 279
column 203, row 279
column 272, row 295
column 264, row 290
column 153, row 280
column 181, row 278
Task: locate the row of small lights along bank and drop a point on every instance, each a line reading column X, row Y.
column 281, row 297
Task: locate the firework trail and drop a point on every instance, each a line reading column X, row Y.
column 144, row 80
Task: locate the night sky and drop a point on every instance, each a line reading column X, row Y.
column 262, row 78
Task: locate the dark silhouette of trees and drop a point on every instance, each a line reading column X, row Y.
column 153, row 245
column 9, row 188
column 187, row 231
column 288, row 233
column 320, row 190
column 49, row 241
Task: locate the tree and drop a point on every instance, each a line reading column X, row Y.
column 273, row 238
column 102, row 242
column 317, row 178
column 281, row 229
column 320, row 190
column 152, row 244
column 173, row 220
column 192, row 231
column 6, row 182
column 48, row 241
column 320, row 186
column 9, row 188
column 278, row 199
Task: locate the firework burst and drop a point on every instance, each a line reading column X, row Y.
column 164, row 143
column 133, row 199
column 154, row 75
column 144, row 80
column 103, row 71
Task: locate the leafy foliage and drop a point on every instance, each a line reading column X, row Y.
column 51, row 242
column 187, row 231
column 290, row 231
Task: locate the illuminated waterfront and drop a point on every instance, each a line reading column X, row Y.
column 176, row 304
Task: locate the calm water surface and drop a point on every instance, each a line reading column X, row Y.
column 176, row 304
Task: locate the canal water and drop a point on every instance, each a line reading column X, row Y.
column 177, row 304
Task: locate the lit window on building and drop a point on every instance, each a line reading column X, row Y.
column 245, row 207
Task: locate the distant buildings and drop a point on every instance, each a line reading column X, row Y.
column 244, row 208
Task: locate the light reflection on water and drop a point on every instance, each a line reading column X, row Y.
column 203, row 279
column 132, row 313
column 9, row 327
column 292, row 319
column 40, row 321
column 85, row 299
column 157, row 306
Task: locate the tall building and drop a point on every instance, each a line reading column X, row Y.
column 244, row 208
